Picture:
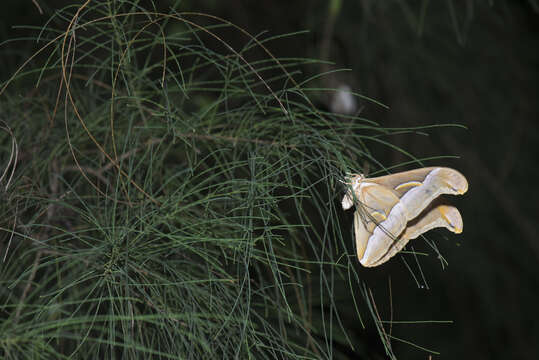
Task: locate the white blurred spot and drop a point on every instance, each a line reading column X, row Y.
column 342, row 101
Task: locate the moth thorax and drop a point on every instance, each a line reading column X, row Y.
column 356, row 179
column 352, row 182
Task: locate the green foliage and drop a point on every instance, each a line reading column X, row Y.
column 173, row 197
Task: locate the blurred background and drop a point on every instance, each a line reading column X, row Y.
column 473, row 63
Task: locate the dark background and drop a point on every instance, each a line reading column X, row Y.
column 467, row 62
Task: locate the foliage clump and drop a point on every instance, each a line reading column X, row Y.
column 172, row 197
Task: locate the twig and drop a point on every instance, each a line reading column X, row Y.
column 97, row 173
column 12, row 157
column 28, row 285
column 38, row 7
column 235, row 140
column 129, row 153
column 390, row 307
column 58, row 253
column 303, row 313
column 12, row 233
column 380, row 324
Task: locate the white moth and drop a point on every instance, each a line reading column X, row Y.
column 394, row 209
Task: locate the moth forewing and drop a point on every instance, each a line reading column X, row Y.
column 373, row 205
column 397, row 181
column 385, row 236
column 388, row 218
column 437, row 182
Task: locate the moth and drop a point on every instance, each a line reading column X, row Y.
column 394, row 209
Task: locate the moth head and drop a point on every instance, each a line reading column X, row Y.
column 352, row 182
